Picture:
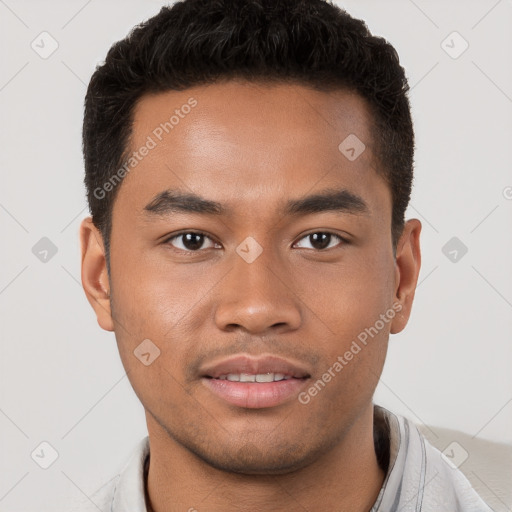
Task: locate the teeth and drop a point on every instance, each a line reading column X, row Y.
column 250, row 377
column 265, row 377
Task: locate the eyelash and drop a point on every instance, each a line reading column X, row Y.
column 343, row 241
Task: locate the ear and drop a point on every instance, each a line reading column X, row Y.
column 95, row 279
column 407, row 269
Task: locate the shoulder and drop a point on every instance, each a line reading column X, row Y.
column 420, row 477
column 485, row 464
column 445, row 486
column 100, row 500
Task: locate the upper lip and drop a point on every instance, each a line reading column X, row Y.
column 254, row 365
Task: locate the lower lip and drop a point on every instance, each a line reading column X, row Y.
column 255, row 395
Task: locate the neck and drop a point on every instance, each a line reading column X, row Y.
column 347, row 478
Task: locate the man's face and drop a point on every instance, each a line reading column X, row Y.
column 300, row 284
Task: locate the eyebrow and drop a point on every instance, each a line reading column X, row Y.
column 174, row 201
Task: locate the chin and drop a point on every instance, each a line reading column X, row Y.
column 250, row 452
column 250, row 459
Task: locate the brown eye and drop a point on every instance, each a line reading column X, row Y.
column 189, row 241
column 322, row 240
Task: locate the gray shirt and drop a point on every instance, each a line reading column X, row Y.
column 419, row 477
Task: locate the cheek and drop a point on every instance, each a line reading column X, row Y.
column 152, row 339
column 157, row 310
column 354, row 311
column 349, row 297
column 152, row 295
column 354, row 350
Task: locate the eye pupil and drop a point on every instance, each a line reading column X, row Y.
column 320, row 240
column 193, row 241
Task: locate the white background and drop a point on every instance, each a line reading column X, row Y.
column 61, row 379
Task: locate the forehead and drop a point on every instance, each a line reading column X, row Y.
column 244, row 141
column 233, row 110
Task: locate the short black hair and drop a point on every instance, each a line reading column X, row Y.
column 198, row 42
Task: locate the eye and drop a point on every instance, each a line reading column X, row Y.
column 189, row 241
column 321, row 240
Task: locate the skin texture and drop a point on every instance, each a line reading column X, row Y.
column 252, row 147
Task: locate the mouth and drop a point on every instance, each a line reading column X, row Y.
column 255, row 377
column 255, row 383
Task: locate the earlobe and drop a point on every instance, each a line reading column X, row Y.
column 407, row 269
column 95, row 280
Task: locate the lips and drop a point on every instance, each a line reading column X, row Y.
column 248, row 365
column 255, row 383
column 258, row 377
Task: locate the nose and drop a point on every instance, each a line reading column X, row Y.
column 257, row 297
